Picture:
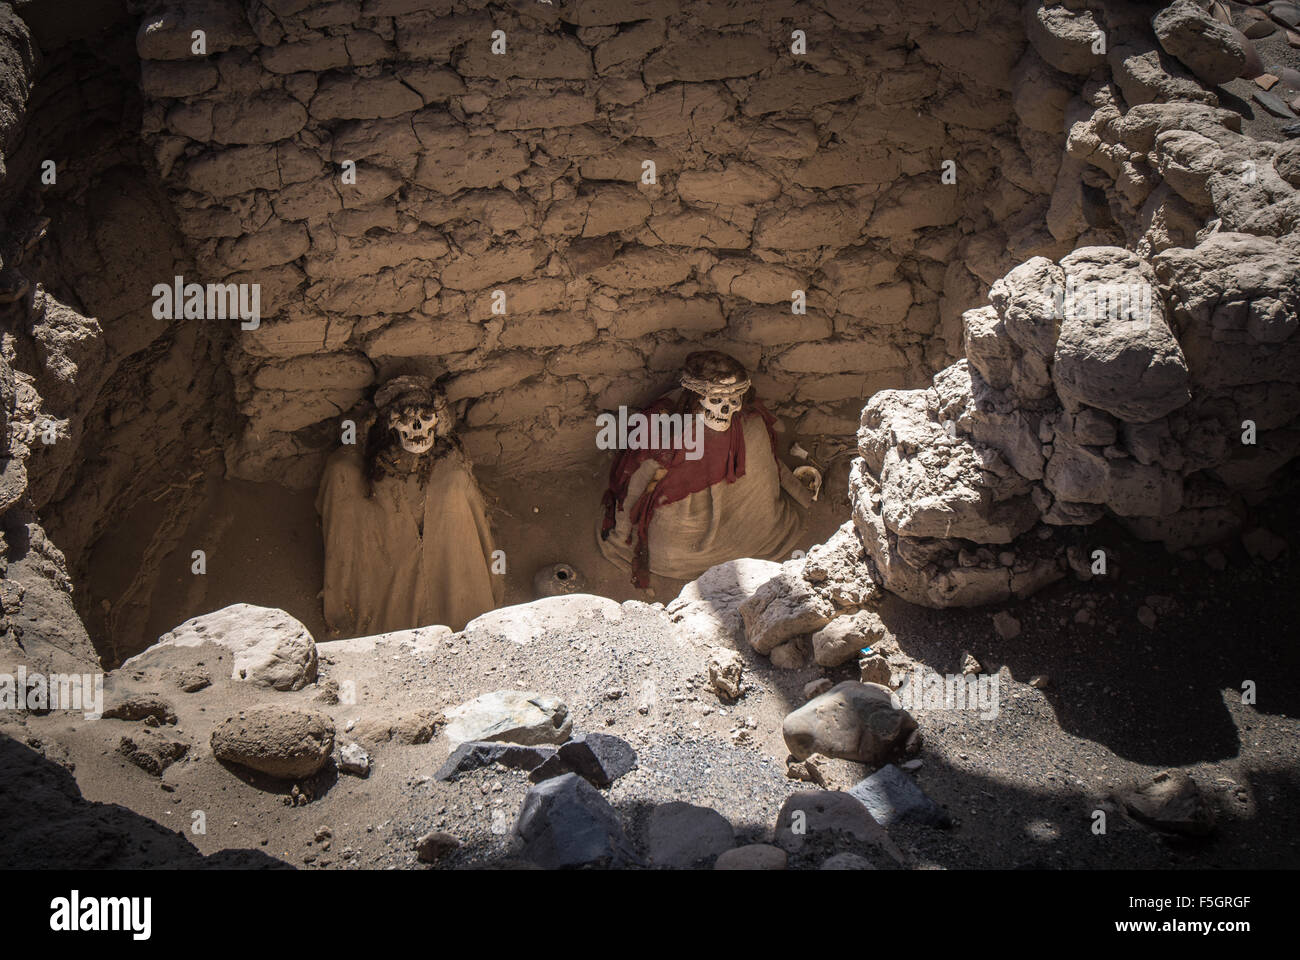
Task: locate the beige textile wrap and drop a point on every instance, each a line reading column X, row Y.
column 752, row 517
column 381, row 572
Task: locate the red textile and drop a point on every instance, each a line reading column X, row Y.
column 723, row 460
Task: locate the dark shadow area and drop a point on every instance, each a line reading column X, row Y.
column 46, row 824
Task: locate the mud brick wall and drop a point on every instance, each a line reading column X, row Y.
column 524, row 173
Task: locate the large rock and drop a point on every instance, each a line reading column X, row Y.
column 1171, row 801
column 1115, row 351
column 598, row 758
column 891, row 796
column 269, row 647
column 784, row 608
column 708, row 608
column 821, row 814
column 1211, row 50
column 851, row 721
column 278, row 741
column 681, row 835
column 515, row 716
column 565, row 822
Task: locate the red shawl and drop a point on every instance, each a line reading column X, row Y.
column 723, row 459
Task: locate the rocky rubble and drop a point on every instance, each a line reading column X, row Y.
column 1154, row 384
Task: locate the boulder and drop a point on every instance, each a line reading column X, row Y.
column 1211, row 50
column 822, row 814
column 515, row 716
column 565, row 822
column 891, row 796
column 851, row 721
column 278, row 741
column 681, row 835
column 598, row 758
column 268, row 647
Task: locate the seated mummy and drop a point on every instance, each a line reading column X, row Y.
column 407, row 539
column 679, row 511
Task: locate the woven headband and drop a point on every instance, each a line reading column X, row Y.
column 706, row 387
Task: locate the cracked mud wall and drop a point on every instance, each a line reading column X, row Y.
column 523, row 173
column 109, row 405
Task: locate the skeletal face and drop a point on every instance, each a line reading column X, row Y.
column 414, row 426
column 720, row 405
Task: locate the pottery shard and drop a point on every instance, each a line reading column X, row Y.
column 851, row 721
column 277, row 741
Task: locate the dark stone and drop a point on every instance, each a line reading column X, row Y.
column 565, row 822
column 597, row 757
column 480, row 753
column 891, row 797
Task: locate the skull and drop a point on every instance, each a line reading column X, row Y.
column 720, row 405
column 720, row 382
column 414, row 426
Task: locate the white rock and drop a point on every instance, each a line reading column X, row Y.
column 269, row 647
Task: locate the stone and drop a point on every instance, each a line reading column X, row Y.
column 598, row 758
column 707, row 610
column 151, row 751
column 432, row 847
column 680, row 835
column 515, row 716
column 821, row 814
column 1115, row 351
column 851, row 721
column 1171, row 801
column 844, row 637
column 1210, row 49
column 354, row 760
column 725, row 668
column 753, row 856
column 268, row 647
column 785, row 607
column 1065, row 38
column 892, row 797
column 815, row 688
column 847, row 861
column 149, row 707
column 278, row 741
column 474, row 754
column 565, row 822
column 1260, row 543
column 1006, row 626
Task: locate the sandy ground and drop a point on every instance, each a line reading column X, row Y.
column 1122, row 702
